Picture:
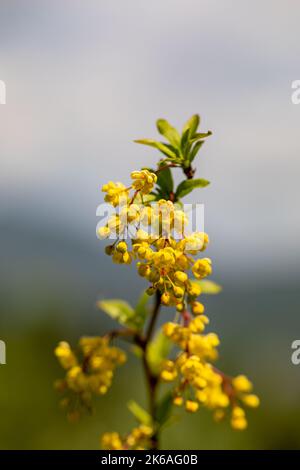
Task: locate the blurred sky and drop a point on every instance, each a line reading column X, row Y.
column 84, row 78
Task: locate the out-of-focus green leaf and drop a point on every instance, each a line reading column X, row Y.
column 191, row 125
column 164, row 408
column 123, row 312
column 141, row 309
column 120, row 311
column 195, row 150
column 165, row 183
column 157, row 351
column 187, row 186
column 171, row 134
column 158, row 145
column 137, row 351
column 139, row 413
column 208, row 286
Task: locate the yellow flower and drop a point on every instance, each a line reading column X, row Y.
column 250, row 400
column 204, row 346
column 122, row 247
column 169, row 372
column 202, row 268
column 178, row 401
column 195, row 242
column 242, row 384
column 143, row 181
column 116, row 193
column 180, row 277
column 103, row 232
column 191, row 406
column 197, row 325
column 238, row 420
column 137, row 439
column 194, row 290
column 111, row 441
column 197, row 308
column 178, row 292
column 165, row 298
column 93, row 375
column 65, row 355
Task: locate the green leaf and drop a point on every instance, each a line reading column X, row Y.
column 185, row 142
column 139, row 413
column 119, row 310
column 137, row 351
column 171, row 134
column 191, row 125
column 164, row 408
column 165, row 182
column 158, row 145
column 157, row 351
column 187, row 186
column 141, row 310
column 201, row 136
column 195, row 150
column 208, row 286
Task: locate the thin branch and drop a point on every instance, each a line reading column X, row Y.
column 151, row 379
column 154, row 315
column 164, row 167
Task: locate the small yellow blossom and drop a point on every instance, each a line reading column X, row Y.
column 116, row 193
column 242, row 384
column 202, row 268
column 103, row 232
column 191, row 406
column 197, row 308
column 111, row 441
column 178, row 401
column 65, row 355
column 143, row 181
column 238, row 420
column 137, row 439
column 251, row 400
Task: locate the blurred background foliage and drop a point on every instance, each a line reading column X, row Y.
column 83, row 80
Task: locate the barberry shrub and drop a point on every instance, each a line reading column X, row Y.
column 149, row 228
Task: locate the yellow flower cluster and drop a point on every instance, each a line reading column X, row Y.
column 91, row 375
column 138, row 439
column 162, row 258
column 198, row 382
column 171, row 265
column 117, row 193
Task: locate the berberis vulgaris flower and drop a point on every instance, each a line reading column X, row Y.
column 150, row 229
